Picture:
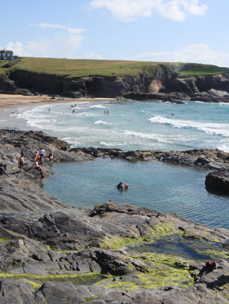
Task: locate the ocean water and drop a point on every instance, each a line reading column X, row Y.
column 133, row 125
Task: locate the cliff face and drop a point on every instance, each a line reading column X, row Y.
column 212, row 88
column 163, row 85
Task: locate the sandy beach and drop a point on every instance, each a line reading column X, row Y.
column 12, row 101
column 7, row 100
column 11, row 104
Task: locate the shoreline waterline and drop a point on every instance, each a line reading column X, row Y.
column 16, row 100
column 12, row 104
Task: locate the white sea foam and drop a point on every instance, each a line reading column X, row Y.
column 198, row 101
column 224, row 103
column 224, row 147
column 87, row 114
column 101, row 122
column 110, row 144
column 97, row 107
column 155, row 137
column 209, row 128
column 75, row 142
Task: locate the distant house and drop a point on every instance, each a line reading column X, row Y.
column 7, row 55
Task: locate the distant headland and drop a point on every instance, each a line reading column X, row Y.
column 82, row 78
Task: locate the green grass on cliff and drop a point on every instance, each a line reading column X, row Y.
column 84, row 67
column 201, row 69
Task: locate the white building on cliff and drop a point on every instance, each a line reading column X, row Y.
column 7, row 55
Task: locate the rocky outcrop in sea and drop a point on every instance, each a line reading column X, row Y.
column 51, row 252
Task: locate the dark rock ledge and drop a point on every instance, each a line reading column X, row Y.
column 202, row 158
column 53, row 253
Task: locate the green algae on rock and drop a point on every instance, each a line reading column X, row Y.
column 37, row 280
column 164, row 272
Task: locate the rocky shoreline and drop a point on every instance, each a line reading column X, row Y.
column 54, row 253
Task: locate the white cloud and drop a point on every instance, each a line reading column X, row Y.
column 64, row 45
column 179, row 10
column 17, row 48
column 126, row 10
column 61, row 27
column 195, row 53
column 130, row 10
column 59, row 47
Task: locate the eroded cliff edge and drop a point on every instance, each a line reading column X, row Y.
column 54, row 253
column 164, row 82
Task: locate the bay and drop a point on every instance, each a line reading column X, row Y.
column 135, row 125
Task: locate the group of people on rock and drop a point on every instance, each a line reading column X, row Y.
column 38, row 158
column 122, row 186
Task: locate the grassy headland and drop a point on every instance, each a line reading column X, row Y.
column 72, row 68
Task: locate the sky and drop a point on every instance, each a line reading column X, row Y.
column 144, row 30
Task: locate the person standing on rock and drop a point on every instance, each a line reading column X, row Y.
column 21, row 162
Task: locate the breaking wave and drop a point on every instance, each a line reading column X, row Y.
column 208, row 128
column 101, row 122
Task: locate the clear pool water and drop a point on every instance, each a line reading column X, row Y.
column 153, row 184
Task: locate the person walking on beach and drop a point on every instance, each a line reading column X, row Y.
column 21, row 162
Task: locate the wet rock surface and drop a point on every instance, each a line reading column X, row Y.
column 51, row 252
column 26, row 253
column 202, row 158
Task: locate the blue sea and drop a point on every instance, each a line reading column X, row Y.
column 135, row 125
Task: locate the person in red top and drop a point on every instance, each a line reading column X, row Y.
column 36, row 156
